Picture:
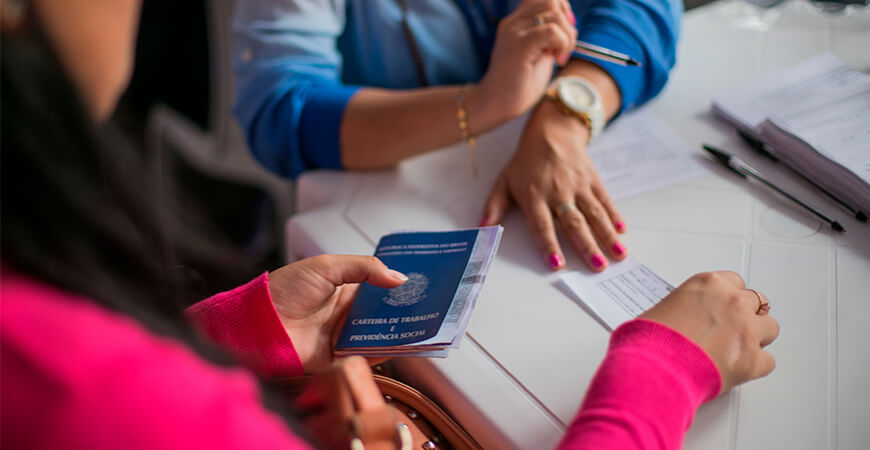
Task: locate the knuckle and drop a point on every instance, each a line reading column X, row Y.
column 324, row 259
column 539, row 225
column 703, row 277
column 574, row 222
column 595, row 212
column 772, row 362
column 746, row 333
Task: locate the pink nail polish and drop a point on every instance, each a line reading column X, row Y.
column 555, row 261
column 563, row 59
column 597, row 260
column 573, row 19
column 618, row 248
column 484, row 221
column 620, row 226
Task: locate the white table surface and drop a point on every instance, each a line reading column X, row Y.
column 531, row 350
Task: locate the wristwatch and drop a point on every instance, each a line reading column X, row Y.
column 579, row 98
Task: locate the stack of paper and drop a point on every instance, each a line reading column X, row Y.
column 429, row 313
column 815, row 117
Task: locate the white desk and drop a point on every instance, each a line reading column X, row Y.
column 531, row 350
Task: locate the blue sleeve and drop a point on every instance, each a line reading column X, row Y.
column 290, row 99
column 647, row 30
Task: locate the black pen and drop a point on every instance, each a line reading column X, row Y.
column 759, row 146
column 739, row 167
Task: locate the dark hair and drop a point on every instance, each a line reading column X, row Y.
column 82, row 211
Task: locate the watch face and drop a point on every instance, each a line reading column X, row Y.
column 576, row 95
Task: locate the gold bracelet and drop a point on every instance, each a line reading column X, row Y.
column 464, row 131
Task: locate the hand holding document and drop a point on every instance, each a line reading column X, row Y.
column 429, row 313
column 621, row 293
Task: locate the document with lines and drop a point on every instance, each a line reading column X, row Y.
column 621, row 293
column 639, row 153
column 815, row 117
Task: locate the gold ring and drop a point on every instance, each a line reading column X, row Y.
column 539, row 20
column 762, row 305
column 564, row 208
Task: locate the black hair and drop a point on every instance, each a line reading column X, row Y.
column 83, row 211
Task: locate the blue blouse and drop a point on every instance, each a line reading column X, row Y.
column 298, row 62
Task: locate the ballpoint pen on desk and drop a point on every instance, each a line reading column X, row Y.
column 759, row 146
column 604, row 54
column 741, row 168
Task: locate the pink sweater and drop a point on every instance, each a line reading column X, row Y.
column 77, row 376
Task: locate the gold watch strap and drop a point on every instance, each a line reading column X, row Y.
column 550, row 94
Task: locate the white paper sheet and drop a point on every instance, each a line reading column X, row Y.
column 639, row 153
column 622, row 292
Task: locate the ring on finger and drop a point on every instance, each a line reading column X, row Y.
column 762, row 305
column 563, row 208
column 539, row 20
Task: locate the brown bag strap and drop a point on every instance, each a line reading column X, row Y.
column 423, row 407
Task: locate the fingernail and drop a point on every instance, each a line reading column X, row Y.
column 484, row 221
column 618, row 248
column 564, row 59
column 555, row 261
column 573, row 19
column 597, row 260
column 620, row 226
column 397, row 275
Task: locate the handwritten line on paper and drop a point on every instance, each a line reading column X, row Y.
column 623, row 292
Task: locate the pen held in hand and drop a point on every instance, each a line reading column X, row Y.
column 604, row 54
column 737, row 165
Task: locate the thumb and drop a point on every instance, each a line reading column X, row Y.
column 343, row 269
column 498, row 203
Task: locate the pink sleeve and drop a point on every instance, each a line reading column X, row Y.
column 77, row 376
column 245, row 322
column 646, row 391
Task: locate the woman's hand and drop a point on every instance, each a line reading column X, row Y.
column 313, row 296
column 729, row 322
column 555, row 183
column 528, row 42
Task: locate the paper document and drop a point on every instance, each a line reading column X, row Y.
column 639, row 153
column 815, row 116
column 621, row 293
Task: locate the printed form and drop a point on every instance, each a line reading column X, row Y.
column 821, row 100
column 639, row 153
column 621, row 293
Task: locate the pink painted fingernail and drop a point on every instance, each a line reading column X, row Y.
column 573, row 19
column 484, row 221
column 618, row 248
column 620, row 226
column 597, row 260
column 555, row 261
column 564, row 59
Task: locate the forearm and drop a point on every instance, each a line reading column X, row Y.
column 383, row 127
column 645, row 392
column 244, row 321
